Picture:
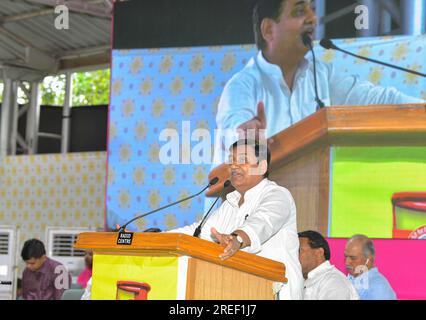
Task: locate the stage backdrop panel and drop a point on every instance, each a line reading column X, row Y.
column 52, row 190
column 402, row 262
column 363, row 182
column 155, row 89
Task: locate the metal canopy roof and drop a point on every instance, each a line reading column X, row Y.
column 29, row 40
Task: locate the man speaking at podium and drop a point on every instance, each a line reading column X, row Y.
column 276, row 88
column 259, row 217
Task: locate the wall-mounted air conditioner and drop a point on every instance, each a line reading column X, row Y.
column 8, row 256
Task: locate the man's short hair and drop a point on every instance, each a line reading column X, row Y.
column 259, row 151
column 33, row 248
column 367, row 244
column 316, row 240
column 271, row 9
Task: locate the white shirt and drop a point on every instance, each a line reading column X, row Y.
column 268, row 217
column 262, row 81
column 87, row 295
column 326, row 282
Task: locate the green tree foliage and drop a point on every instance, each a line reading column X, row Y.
column 89, row 88
column 53, row 90
column 22, row 98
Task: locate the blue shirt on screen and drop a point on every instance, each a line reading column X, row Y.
column 372, row 285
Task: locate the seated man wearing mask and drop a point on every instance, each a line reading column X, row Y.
column 359, row 259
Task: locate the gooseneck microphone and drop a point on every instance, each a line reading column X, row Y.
column 307, row 41
column 211, row 183
column 198, row 229
column 328, row 44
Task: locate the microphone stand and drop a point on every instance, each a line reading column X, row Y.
column 328, row 44
column 198, row 229
column 123, row 227
column 307, row 41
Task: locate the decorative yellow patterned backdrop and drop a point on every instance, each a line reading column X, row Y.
column 52, row 190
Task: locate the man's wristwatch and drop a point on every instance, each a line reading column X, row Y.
column 239, row 239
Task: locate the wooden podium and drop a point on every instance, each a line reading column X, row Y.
column 199, row 273
column 301, row 155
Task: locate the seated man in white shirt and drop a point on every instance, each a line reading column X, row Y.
column 258, row 217
column 322, row 280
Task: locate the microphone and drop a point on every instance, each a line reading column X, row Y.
column 152, row 230
column 198, row 229
column 123, row 227
column 328, row 44
column 307, row 41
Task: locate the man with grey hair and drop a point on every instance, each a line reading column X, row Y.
column 360, row 263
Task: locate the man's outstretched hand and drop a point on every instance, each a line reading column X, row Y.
column 228, row 241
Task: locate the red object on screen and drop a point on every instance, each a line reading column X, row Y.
column 411, row 201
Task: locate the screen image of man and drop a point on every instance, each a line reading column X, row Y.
column 276, row 87
column 259, row 217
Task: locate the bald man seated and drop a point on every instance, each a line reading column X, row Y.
column 360, row 262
